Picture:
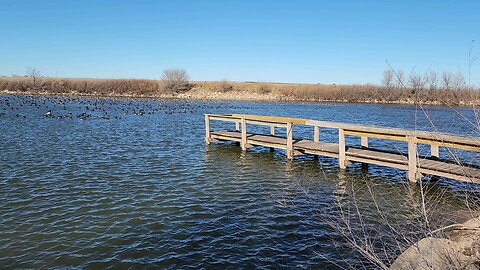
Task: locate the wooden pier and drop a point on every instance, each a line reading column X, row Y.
column 415, row 165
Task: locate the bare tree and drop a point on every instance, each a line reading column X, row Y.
column 33, row 73
column 400, row 78
column 387, row 78
column 447, row 80
column 432, row 80
column 416, row 81
column 175, row 80
column 458, row 81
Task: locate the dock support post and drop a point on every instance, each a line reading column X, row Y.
column 272, row 132
column 412, row 159
column 244, row 134
column 341, row 149
column 316, row 137
column 316, row 134
column 434, row 151
column 290, row 141
column 207, row 129
column 364, row 144
column 237, row 129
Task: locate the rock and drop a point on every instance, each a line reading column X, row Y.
column 468, row 238
column 433, row 253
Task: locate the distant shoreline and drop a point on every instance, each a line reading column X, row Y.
column 226, row 98
column 238, row 91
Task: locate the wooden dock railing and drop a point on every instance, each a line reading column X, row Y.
column 415, row 165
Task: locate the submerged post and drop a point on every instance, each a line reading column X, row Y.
column 316, row 134
column 412, row 159
column 290, row 141
column 244, row 134
column 341, row 149
column 207, row 129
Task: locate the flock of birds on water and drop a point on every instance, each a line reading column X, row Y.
column 86, row 108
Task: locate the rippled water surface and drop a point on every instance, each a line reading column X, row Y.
column 101, row 183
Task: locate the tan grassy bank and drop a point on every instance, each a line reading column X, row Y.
column 225, row 90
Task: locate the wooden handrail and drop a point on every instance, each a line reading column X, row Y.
column 470, row 143
column 411, row 137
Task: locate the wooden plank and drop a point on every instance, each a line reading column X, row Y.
column 319, row 153
column 375, row 154
column 222, row 118
column 314, row 148
column 469, row 147
column 376, row 135
column 378, row 162
column 235, row 134
column 268, row 139
column 342, row 161
column 448, row 167
column 225, row 138
column 462, row 178
column 271, row 119
column 473, row 142
column 309, row 145
column 269, row 124
column 268, row 144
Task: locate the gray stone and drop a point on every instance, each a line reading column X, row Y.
column 432, row 253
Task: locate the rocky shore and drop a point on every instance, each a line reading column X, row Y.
column 458, row 249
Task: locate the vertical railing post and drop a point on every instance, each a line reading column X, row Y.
column 342, row 161
column 272, row 132
column 434, row 151
column 237, row 126
column 290, row 141
column 207, row 129
column 244, row 134
column 364, row 144
column 412, row 159
column 316, row 134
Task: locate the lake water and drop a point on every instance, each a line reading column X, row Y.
column 130, row 183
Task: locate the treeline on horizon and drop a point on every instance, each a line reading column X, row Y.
column 430, row 88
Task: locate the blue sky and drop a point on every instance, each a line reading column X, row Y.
column 287, row 41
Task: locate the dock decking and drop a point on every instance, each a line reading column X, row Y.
column 415, row 165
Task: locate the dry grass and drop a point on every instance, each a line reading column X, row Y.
column 349, row 93
column 227, row 89
column 100, row 87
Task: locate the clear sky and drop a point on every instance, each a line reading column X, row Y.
column 287, row 41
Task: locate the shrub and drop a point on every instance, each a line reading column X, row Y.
column 175, row 81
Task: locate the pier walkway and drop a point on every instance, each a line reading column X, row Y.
column 416, row 166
